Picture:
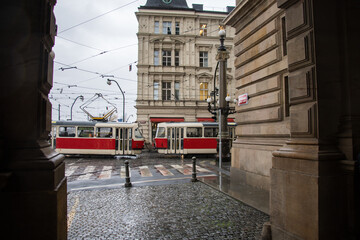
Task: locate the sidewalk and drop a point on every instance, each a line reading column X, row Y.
column 176, row 211
column 254, row 197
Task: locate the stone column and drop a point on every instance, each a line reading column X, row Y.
column 32, row 185
column 308, row 197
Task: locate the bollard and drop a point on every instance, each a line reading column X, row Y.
column 127, row 173
column 194, row 179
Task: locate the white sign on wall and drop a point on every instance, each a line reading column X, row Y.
column 243, row 99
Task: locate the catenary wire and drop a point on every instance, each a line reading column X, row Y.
column 103, row 14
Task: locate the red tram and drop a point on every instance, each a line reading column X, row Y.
column 189, row 138
column 108, row 138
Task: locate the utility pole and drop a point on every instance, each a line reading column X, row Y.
column 59, row 112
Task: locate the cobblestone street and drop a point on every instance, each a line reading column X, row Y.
column 177, row 211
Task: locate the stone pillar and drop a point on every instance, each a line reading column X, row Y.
column 32, row 185
column 308, row 198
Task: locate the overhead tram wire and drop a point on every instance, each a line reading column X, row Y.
column 102, row 53
column 101, row 75
column 91, row 19
column 97, row 73
column 106, row 73
column 80, row 44
column 109, row 51
column 69, row 65
column 115, row 49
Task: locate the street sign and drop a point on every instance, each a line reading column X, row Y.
column 243, row 99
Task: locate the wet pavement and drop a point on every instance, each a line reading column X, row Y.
column 160, row 207
column 257, row 198
column 177, row 211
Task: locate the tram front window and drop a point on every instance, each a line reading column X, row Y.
column 160, row 133
column 138, row 133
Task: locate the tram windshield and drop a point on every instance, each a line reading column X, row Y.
column 138, row 133
column 160, row 133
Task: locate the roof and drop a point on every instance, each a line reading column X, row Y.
column 180, row 5
column 166, row 4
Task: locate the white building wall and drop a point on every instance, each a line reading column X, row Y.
column 189, row 74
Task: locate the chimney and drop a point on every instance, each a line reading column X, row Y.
column 198, row 7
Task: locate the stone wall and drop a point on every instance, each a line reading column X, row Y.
column 261, row 72
column 314, row 176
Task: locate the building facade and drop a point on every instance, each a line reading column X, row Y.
column 314, row 176
column 176, row 62
column 298, row 138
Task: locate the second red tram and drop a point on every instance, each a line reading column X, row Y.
column 109, row 138
column 189, row 138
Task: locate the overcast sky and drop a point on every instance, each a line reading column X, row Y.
column 98, row 37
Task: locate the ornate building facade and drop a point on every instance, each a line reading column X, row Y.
column 176, row 62
column 298, row 138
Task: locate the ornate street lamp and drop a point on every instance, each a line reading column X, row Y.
column 109, row 83
column 222, row 111
column 81, row 98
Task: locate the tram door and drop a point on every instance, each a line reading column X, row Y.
column 53, row 137
column 175, row 140
column 123, row 141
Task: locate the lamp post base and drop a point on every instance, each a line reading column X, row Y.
column 225, row 150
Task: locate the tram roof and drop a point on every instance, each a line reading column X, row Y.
column 74, row 123
column 194, row 124
column 90, row 123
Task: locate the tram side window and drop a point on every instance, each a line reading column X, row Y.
column 160, row 132
column 66, row 131
column 104, row 132
column 85, row 131
column 194, row 132
column 210, row 132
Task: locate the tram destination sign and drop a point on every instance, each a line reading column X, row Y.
column 243, row 99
